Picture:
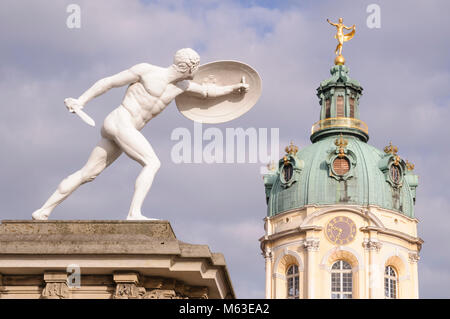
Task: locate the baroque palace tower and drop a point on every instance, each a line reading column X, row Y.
column 340, row 213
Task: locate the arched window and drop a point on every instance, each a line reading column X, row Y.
column 292, row 278
column 390, row 283
column 341, row 280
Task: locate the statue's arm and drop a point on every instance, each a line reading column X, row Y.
column 212, row 90
column 120, row 79
column 333, row 24
column 351, row 28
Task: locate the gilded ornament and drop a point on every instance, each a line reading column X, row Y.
column 409, row 166
column 341, row 143
column 291, row 149
column 390, row 149
column 396, row 160
column 341, row 37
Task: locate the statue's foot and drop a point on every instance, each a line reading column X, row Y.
column 139, row 217
column 40, row 214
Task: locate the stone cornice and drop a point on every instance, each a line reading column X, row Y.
column 393, row 212
column 368, row 207
column 33, row 245
column 286, row 212
column 413, row 240
column 289, row 232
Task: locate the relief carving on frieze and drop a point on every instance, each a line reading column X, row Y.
column 55, row 290
column 129, row 291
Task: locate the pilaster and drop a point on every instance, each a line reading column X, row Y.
column 269, row 270
column 414, row 257
column 312, row 247
column 375, row 270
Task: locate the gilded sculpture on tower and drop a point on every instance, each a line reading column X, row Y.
column 341, row 37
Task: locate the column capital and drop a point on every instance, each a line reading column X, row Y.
column 372, row 245
column 414, row 257
column 268, row 254
column 311, row 244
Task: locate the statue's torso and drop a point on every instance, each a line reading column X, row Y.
column 148, row 97
column 340, row 30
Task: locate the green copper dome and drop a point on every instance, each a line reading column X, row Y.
column 316, row 181
column 340, row 168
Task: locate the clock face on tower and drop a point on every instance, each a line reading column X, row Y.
column 341, row 230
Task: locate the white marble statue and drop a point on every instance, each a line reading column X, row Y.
column 151, row 89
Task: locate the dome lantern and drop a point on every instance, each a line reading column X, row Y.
column 339, row 100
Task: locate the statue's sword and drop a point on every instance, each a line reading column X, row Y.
column 86, row 118
column 78, row 111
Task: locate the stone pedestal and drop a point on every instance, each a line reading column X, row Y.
column 106, row 259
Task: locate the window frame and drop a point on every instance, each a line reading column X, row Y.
column 288, row 169
column 338, row 167
column 351, row 103
column 328, row 108
column 295, row 277
column 340, row 106
column 344, row 280
column 390, row 281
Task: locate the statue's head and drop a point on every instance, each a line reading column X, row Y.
column 340, row 20
column 186, row 61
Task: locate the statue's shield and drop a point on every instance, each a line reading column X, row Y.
column 224, row 108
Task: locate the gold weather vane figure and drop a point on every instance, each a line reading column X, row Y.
column 341, row 37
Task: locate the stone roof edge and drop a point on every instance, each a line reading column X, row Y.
column 215, row 259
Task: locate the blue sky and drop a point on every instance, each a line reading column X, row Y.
column 403, row 67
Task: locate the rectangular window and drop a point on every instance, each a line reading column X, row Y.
column 327, row 108
column 352, row 107
column 340, row 106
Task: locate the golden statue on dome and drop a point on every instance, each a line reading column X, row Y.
column 341, row 37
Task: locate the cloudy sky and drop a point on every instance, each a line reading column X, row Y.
column 403, row 67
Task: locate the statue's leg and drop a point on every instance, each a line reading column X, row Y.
column 338, row 49
column 136, row 146
column 341, row 42
column 101, row 157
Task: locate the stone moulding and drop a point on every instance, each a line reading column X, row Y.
column 117, row 259
column 412, row 240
